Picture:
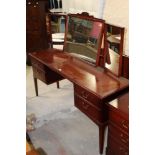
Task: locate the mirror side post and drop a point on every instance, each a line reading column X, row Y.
column 100, row 54
column 121, row 51
column 66, row 30
column 106, row 56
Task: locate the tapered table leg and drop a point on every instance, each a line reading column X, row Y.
column 58, row 84
column 36, row 86
column 101, row 138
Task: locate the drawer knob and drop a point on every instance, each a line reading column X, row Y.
column 84, row 95
column 124, row 124
column 34, row 6
column 29, row 3
column 121, row 135
column 121, row 149
column 123, row 140
column 85, row 105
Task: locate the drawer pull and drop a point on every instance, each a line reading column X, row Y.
column 123, row 140
column 84, row 94
column 34, row 6
column 29, row 3
column 37, row 3
column 121, row 135
column 121, row 149
column 85, row 106
column 124, row 125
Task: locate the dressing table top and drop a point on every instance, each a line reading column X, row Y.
column 94, row 79
column 121, row 104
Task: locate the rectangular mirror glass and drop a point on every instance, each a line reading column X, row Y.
column 83, row 37
column 114, row 45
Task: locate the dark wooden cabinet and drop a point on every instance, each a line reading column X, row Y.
column 36, row 33
column 118, row 128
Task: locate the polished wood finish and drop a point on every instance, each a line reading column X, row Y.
column 93, row 87
column 43, row 73
column 91, row 78
column 36, row 85
column 125, row 66
column 118, row 132
column 36, row 35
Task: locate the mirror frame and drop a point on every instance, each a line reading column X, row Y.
column 86, row 16
column 106, row 51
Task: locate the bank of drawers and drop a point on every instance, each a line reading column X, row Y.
column 43, row 73
column 89, row 104
column 116, row 148
column 121, row 122
column 118, row 130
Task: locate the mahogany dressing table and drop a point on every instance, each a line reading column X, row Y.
column 93, row 85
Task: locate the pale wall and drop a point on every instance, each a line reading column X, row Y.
column 117, row 12
column 78, row 6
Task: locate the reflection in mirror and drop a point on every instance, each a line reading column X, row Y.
column 83, row 38
column 114, row 44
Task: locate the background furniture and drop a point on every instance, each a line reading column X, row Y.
column 118, row 128
column 36, row 35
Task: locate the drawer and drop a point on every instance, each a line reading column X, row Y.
column 39, row 74
column 114, row 148
column 47, row 76
column 91, row 111
column 117, row 119
column 119, row 135
column 86, row 95
column 38, row 64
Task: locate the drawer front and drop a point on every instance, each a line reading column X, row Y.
column 86, row 95
column 39, row 74
column 38, row 64
column 115, row 118
column 114, row 148
column 91, row 111
column 43, row 73
column 47, row 76
column 119, row 135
